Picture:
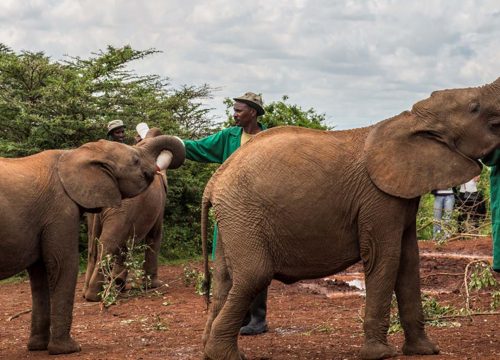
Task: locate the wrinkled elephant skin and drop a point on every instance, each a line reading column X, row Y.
column 296, row 204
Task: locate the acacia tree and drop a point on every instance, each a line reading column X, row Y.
column 61, row 104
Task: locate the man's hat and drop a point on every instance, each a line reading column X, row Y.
column 253, row 100
column 115, row 124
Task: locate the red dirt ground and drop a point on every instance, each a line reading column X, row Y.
column 304, row 322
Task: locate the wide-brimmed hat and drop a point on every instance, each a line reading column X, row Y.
column 253, row 100
column 115, row 124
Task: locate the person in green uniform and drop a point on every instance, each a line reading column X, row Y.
column 493, row 160
column 217, row 148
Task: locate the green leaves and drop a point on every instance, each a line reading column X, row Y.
column 46, row 104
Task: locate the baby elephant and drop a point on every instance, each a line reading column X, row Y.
column 296, row 203
column 139, row 218
column 42, row 198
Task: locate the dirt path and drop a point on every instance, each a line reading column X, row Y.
column 305, row 322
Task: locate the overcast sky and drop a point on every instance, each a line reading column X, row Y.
column 358, row 62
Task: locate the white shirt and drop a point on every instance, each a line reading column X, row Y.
column 469, row 186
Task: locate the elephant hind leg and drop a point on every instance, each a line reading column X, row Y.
column 222, row 340
column 222, row 283
column 153, row 242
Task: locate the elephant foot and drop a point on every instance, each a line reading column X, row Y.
column 422, row 346
column 220, row 351
column 152, row 283
column 38, row 343
column 121, row 284
column 376, row 350
column 63, row 347
column 92, row 296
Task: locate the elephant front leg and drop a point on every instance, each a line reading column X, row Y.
column 409, row 299
column 381, row 262
column 62, row 271
column 40, row 315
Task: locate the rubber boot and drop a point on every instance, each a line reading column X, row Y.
column 258, row 308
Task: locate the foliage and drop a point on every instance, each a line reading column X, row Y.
column 481, row 278
column 48, row 105
column 433, row 314
column 133, row 267
column 425, row 215
column 495, row 299
column 194, row 277
column 20, row 277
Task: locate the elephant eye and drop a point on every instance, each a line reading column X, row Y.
column 474, row 107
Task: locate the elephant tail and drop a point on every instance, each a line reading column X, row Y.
column 205, row 206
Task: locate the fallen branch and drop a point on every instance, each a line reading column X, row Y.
column 18, row 314
column 463, row 315
column 464, row 235
column 466, row 285
column 442, row 273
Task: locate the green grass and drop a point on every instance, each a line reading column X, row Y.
column 22, row 276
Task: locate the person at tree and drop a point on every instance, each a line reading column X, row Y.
column 116, row 131
column 217, row 148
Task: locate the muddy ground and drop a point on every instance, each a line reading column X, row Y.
column 318, row 319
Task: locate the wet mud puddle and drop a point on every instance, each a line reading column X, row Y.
column 353, row 284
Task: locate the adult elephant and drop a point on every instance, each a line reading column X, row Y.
column 139, row 218
column 42, row 198
column 296, row 204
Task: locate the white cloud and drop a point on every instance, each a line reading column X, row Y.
column 356, row 61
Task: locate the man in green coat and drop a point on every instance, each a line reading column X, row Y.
column 217, row 148
column 493, row 160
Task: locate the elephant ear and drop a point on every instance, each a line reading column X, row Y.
column 87, row 177
column 406, row 158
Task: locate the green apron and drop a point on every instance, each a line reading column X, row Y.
column 493, row 160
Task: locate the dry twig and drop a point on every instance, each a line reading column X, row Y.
column 18, row 314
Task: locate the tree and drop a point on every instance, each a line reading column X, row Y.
column 46, row 104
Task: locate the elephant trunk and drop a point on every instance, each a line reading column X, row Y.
column 155, row 146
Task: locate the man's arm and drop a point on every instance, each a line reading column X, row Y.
column 207, row 150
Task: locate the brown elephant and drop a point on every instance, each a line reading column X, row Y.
column 139, row 218
column 296, row 204
column 42, row 198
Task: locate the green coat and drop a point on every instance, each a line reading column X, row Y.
column 493, row 160
column 215, row 148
